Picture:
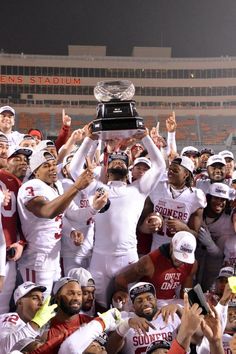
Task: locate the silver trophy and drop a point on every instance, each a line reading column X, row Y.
column 117, row 116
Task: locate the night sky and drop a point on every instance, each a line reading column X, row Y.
column 193, row 28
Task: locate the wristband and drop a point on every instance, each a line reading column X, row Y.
column 123, row 328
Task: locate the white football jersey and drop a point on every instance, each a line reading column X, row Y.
column 42, row 235
column 78, row 216
column 225, row 341
column 14, row 138
column 137, row 344
column 12, row 330
column 115, row 229
column 230, row 251
column 221, row 230
column 180, row 207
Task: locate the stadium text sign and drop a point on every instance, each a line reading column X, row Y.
column 39, row 80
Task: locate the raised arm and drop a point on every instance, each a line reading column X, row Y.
column 43, row 208
column 148, row 181
column 64, row 131
column 136, row 271
column 78, row 160
column 171, row 129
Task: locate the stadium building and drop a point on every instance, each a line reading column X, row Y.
column 201, row 91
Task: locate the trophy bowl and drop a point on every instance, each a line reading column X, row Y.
column 117, row 116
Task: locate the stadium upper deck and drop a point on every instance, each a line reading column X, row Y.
column 198, row 89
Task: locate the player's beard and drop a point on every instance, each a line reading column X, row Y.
column 87, row 306
column 118, row 172
column 149, row 316
column 67, row 309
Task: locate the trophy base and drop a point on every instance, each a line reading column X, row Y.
column 121, row 128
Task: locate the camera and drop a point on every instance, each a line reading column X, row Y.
column 100, row 191
column 196, row 296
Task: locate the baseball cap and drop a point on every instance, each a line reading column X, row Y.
column 185, row 162
column 14, row 151
column 28, row 137
column 119, row 156
column 61, row 282
column 189, row 150
column 226, row 272
column 142, row 160
column 184, row 245
column 102, row 339
column 83, row 276
column 215, row 159
column 35, row 132
column 232, row 303
column 67, row 160
column 226, row 153
column 220, row 190
column 44, row 144
column 157, row 344
column 25, row 288
column 38, row 158
column 3, row 138
column 140, row 288
column 7, row 109
column 207, row 151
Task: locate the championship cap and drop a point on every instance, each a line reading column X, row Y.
column 28, row 137
column 61, row 282
column 184, row 161
column 44, row 144
column 144, row 160
column 17, row 150
column 226, row 153
column 38, row 158
column 140, row 288
column 119, row 156
column 184, row 245
column 232, row 303
column 25, row 288
column 226, row 272
column 102, row 339
column 208, row 151
column 83, row 276
column 3, row 138
column 157, row 344
column 67, row 160
column 220, row 190
column 7, row 109
column 216, row 159
column 189, row 150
